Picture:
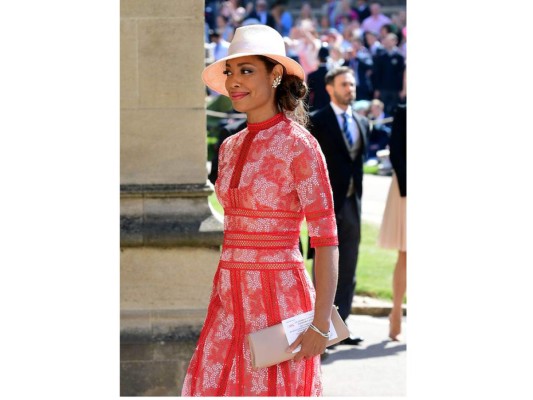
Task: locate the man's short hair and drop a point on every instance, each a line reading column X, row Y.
column 330, row 76
column 377, row 102
column 323, row 54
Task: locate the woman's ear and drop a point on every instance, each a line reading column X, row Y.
column 277, row 70
column 329, row 89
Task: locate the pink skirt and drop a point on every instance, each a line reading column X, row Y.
column 392, row 234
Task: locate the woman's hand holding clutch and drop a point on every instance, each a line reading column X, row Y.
column 313, row 344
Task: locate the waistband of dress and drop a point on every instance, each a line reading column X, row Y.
column 248, row 212
column 261, row 240
column 257, row 266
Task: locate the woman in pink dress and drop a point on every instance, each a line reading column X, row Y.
column 271, row 175
column 393, row 231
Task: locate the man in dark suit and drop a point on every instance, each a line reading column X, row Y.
column 342, row 135
column 363, row 10
column 227, row 131
column 387, row 74
column 360, row 60
column 378, row 138
column 260, row 12
column 318, row 97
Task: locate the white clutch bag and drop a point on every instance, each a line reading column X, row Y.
column 267, row 346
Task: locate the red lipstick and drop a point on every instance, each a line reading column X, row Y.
column 237, row 95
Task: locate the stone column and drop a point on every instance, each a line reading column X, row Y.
column 169, row 238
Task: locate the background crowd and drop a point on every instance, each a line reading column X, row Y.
column 352, row 33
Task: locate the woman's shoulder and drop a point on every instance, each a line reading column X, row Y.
column 300, row 134
column 233, row 139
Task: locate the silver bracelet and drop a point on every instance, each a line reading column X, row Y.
column 326, row 335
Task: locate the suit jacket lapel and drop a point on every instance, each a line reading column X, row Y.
column 362, row 133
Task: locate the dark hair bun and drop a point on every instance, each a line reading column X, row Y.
column 290, row 92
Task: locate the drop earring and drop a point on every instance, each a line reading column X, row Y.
column 276, row 82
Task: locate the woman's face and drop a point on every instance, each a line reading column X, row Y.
column 371, row 39
column 375, row 110
column 249, row 86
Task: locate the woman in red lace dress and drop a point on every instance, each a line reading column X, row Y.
column 271, row 175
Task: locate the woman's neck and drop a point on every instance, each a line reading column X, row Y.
column 260, row 116
column 265, row 124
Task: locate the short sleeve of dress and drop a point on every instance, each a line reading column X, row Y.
column 314, row 191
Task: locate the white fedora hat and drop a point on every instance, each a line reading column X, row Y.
column 251, row 40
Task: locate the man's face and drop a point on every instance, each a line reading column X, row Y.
column 376, row 110
column 261, row 5
column 342, row 91
column 389, row 42
column 356, row 46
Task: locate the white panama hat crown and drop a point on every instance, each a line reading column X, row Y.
column 251, row 40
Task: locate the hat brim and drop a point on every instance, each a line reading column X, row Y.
column 213, row 75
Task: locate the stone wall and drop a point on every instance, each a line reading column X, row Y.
column 169, row 238
column 162, row 95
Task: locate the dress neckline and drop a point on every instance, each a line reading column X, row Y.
column 269, row 123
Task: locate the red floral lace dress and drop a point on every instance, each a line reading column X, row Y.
column 271, row 175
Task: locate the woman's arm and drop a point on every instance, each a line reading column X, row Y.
column 326, row 274
column 311, row 176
